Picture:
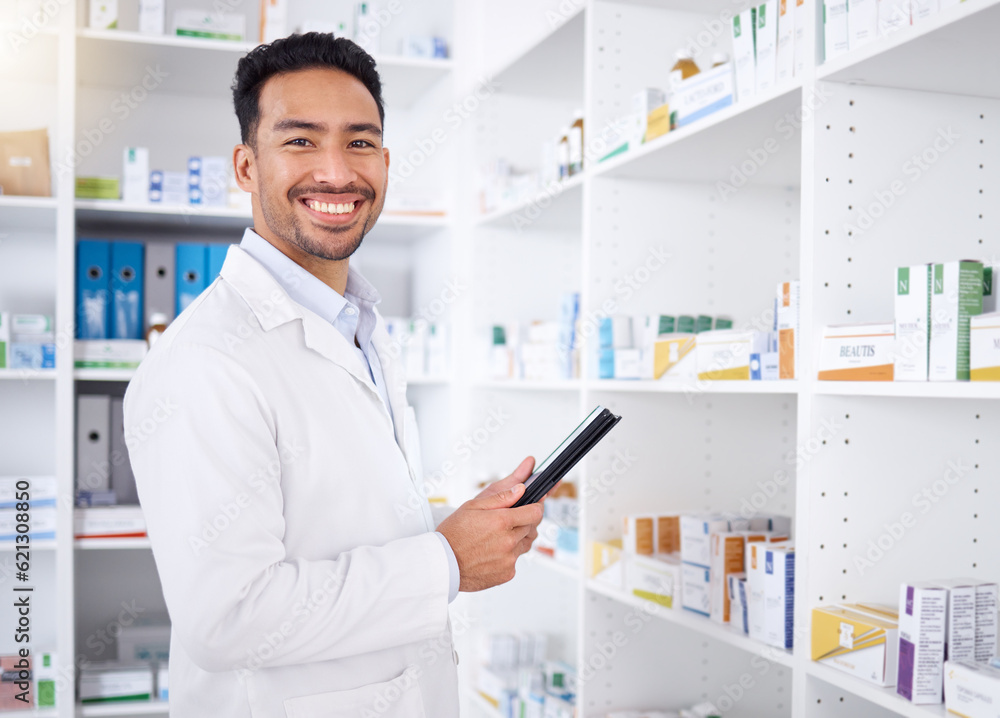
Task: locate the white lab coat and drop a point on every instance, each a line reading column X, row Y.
column 297, row 558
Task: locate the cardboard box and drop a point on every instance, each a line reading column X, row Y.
column 736, row 585
column 744, row 55
column 922, row 611
column 702, row 95
column 862, row 22
column 114, row 682
column 655, row 578
column 724, row 355
column 109, row 522
column 754, row 568
column 728, row 558
column 696, row 591
column 922, row 9
column 109, row 353
column 857, row 352
column 152, row 17
column 767, row 46
column 644, row 103
column 960, row 620
column 668, row 534
column 695, row 537
column 787, row 326
column 971, row 689
column 912, row 310
column 862, row 644
column 956, row 296
column 893, row 15
column 209, row 25
column 984, row 347
column 135, row 175
column 785, row 58
column 668, row 352
column 145, row 639
column 103, row 14
column 836, row 34
column 606, row 563
column 97, row 188
column 24, row 163
column 779, row 596
column 803, row 16
column 639, row 535
column 986, row 620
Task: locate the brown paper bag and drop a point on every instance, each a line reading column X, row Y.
column 24, row 163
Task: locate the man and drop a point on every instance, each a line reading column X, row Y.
column 273, row 448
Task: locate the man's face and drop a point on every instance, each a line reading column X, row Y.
column 319, row 171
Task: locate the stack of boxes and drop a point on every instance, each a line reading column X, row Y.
column 27, row 341
column 540, row 350
column 516, row 679
column 850, row 24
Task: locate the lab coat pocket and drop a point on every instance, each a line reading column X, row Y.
column 398, row 698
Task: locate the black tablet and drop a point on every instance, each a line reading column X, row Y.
column 573, row 448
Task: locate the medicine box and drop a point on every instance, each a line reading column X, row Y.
column 109, row 354
column 667, row 353
column 779, row 596
column 695, row 537
column 145, row 640
column 836, row 31
column 736, row 590
column 703, row 94
column 862, row 644
column 696, row 591
column 114, row 682
column 960, row 620
column 210, row 25
column 986, row 620
column 787, row 325
column 785, row 57
column 857, row 352
column 803, row 16
column 862, row 22
column 135, row 175
column 984, row 347
column 767, row 45
column 754, row 568
column 639, row 535
column 728, row 557
column 4, row 339
column 744, row 55
column 103, row 14
column 606, row 563
column 655, row 578
column 668, row 534
column 922, row 9
column 109, row 522
column 893, row 15
column 956, row 297
column 152, row 16
column 922, row 611
column 912, row 315
column 725, row 354
column 971, row 689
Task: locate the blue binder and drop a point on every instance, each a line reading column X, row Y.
column 216, row 258
column 93, row 289
column 192, row 264
column 126, row 290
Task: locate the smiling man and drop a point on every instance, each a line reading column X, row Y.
column 277, row 490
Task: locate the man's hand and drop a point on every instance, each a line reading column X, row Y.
column 487, row 535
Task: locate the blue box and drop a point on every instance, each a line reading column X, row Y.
column 127, row 259
column 93, row 289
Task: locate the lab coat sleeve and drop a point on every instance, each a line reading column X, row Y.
column 204, row 448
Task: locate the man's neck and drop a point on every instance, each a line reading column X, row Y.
column 331, row 272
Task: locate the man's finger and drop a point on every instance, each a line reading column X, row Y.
column 520, row 475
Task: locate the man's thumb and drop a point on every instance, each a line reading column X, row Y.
column 503, row 499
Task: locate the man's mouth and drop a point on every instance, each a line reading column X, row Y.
column 332, row 210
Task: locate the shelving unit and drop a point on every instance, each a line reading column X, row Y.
column 125, row 708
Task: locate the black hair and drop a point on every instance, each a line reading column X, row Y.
column 292, row 53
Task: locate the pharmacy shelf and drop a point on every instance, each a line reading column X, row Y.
column 946, row 53
column 103, row 374
column 34, row 713
column 482, row 705
column 705, row 7
column 551, row 67
column 112, row 544
column 527, row 385
column 201, row 67
column 27, row 374
column 884, row 697
column 702, row 625
column 566, row 196
column 125, row 708
column 905, row 389
column 694, row 386
column 536, row 558
column 43, row 545
column 31, row 213
column 711, row 149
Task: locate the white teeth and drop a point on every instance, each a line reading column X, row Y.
column 331, row 207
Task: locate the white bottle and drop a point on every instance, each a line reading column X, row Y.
column 367, row 28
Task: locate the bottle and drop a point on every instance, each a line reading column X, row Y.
column 157, row 325
column 685, row 64
column 576, row 144
column 562, row 153
column 719, row 58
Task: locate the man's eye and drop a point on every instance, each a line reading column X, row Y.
column 361, row 143
column 299, row 142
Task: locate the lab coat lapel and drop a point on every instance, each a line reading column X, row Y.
column 394, row 372
column 323, row 338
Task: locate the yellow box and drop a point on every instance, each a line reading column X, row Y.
column 658, row 122
column 865, row 645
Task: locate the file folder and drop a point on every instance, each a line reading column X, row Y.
column 573, row 448
column 160, row 281
column 122, row 478
column 93, row 424
column 93, row 289
column 126, row 290
column 192, row 262
column 216, row 258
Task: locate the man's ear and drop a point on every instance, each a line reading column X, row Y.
column 385, row 154
column 245, row 169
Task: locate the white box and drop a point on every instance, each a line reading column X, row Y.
column 655, row 578
column 802, row 20
column 779, row 596
column 912, row 310
column 787, row 325
column 629, row 364
column 744, row 55
column 42, row 524
column 893, row 15
column 108, row 353
column 135, row 175
column 208, row 181
column 103, row 14
column 972, row 690
column 922, row 9
column 41, row 490
column 724, row 354
column 4, row 340
column 785, row 58
column 755, row 590
column 696, row 589
column 696, row 531
column 109, row 521
column 956, row 296
column 857, row 352
column 210, row 25
column 922, row 611
column 728, row 558
column 960, row 621
column 990, row 271
column 163, row 681
column 152, row 17
column 112, row 682
column 736, row 587
column 701, row 95
column 984, row 347
column 273, row 20
column 858, row 642
column 145, row 640
column 644, row 102
column 767, row 45
column 986, row 621
column 862, row 22
column 836, row 37
column 367, row 27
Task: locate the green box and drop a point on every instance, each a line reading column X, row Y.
column 97, row 188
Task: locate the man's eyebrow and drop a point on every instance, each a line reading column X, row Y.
column 369, row 127
column 296, row 124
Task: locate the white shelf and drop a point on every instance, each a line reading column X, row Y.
column 903, row 389
column 202, row 67
column 707, row 150
column 537, row 558
column 551, row 67
column 950, row 52
column 526, row 385
column 487, row 708
column 34, row 713
column 702, row 625
column 31, row 213
column 27, row 374
column 40, row 545
column 884, row 697
column 125, row 708
column 103, row 374
column 568, row 192
column 694, row 386
column 112, row 544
